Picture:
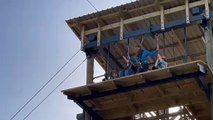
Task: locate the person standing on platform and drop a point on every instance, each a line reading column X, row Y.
column 143, row 55
column 160, row 62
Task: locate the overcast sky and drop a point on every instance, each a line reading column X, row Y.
column 35, row 42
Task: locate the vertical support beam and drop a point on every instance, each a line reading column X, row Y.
column 162, row 17
column 187, row 11
column 82, row 37
column 209, row 45
column 164, row 44
column 207, row 9
column 108, row 63
column 185, row 46
column 121, row 29
column 99, row 35
column 90, row 72
column 209, row 57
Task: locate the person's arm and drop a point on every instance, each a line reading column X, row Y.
column 156, row 62
column 125, row 59
column 157, row 37
column 141, row 43
column 159, row 57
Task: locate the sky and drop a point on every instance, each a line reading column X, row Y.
column 35, row 42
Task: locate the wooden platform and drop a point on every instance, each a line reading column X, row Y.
column 153, row 90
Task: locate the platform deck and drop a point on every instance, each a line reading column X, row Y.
column 149, row 91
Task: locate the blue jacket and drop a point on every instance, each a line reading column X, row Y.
column 145, row 54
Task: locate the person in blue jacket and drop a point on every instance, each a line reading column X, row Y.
column 132, row 65
column 143, row 56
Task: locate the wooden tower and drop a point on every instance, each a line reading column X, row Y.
column 185, row 30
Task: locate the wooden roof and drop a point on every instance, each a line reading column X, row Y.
column 147, row 14
column 117, row 106
column 140, row 15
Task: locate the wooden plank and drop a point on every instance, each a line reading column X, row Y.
column 90, row 70
column 83, row 90
column 185, row 67
column 103, row 87
column 82, row 37
column 160, row 74
column 129, row 80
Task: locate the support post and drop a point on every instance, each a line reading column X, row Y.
column 90, row 72
column 99, row 35
column 82, row 37
column 185, row 46
column 122, row 29
column 187, row 11
column 162, row 17
column 207, row 9
column 209, row 45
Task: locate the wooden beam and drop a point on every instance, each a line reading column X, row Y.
column 99, row 35
column 82, row 37
column 207, row 9
column 90, row 72
column 180, row 44
column 162, row 17
column 145, row 16
column 122, row 29
column 187, row 11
